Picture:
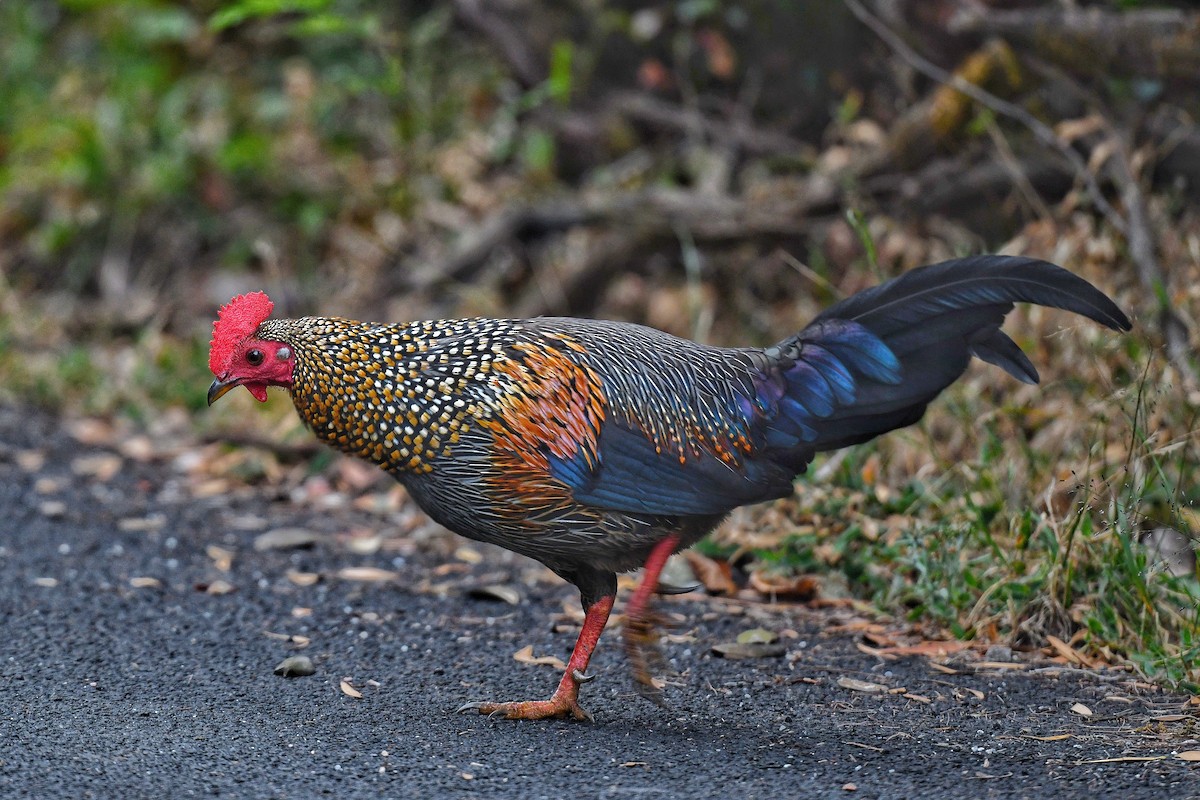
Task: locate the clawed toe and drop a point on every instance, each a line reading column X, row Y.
column 558, row 706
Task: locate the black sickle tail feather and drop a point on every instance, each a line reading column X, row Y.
column 933, row 320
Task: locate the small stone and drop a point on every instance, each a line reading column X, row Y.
column 295, row 667
column 998, row 652
column 53, row 509
column 31, row 460
column 47, row 485
column 736, row 650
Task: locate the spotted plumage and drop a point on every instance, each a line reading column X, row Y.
column 595, row 446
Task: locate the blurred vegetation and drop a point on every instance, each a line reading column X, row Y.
column 717, row 168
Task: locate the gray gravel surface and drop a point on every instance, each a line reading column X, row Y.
column 124, row 688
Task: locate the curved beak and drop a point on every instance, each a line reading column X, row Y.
column 219, row 388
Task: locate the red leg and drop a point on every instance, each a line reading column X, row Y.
column 639, row 634
column 565, row 700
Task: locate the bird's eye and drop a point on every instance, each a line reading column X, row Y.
column 254, row 357
column 283, row 353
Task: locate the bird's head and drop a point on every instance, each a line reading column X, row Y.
column 239, row 358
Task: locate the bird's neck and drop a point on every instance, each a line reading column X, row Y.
column 398, row 395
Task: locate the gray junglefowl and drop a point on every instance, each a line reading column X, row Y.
column 598, row 447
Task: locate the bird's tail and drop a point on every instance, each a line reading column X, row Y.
column 872, row 362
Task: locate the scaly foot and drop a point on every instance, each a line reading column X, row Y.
column 563, row 703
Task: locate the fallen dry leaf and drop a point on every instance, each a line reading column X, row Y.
column 219, row 587
column 101, row 466
column 222, row 557
column 468, row 554
column 290, row 638
column 930, row 648
column 525, row 656
column 143, row 582
column 1014, row 665
column 856, row 625
column 31, row 460
column 142, row 524
column 792, row 587
column 875, row 652
column 505, row 594
column 1056, row 738
column 349, row 690
column 357, row 475
column 1069, row 653
column 47, row 485
column 855, row 685
column 302, row 578
column 285, row 539
column 138, row 447
column 881, row 641
column 1081, row 710
column 91, row 431
column 367, row 574
column 1188, row 755
column 717, row 576
column 920, row 698
column 757, row 636
column 364, row 544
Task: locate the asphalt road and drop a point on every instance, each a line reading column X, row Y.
column 124, row 674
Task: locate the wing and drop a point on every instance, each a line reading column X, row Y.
column 635, row 420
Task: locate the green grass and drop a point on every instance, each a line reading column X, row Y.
column 961, row 555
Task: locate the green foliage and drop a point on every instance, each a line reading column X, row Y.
column 243, row 10
column 970, row 560
column 859, row 223
column 115, row 112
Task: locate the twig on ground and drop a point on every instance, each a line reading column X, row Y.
column 513, row 47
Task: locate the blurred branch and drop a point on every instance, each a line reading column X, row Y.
column 1142, row 249
column 637, row 215
column 527, row 66
column 649, row 110
column 1151, row 42
column 1041, row 131
column 1135, row 227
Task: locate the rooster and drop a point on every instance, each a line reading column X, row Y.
column 597, row 447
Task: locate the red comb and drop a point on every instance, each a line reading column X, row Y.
column 236, row 320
